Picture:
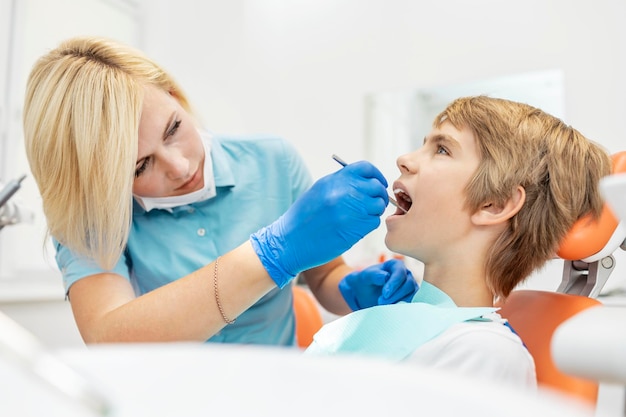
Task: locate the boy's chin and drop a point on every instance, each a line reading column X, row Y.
column 392, row 246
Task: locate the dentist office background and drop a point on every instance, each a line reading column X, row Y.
column 358, row 78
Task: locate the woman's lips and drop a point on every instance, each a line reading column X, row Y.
column 192, row 183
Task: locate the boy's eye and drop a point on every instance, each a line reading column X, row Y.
column 442, row 150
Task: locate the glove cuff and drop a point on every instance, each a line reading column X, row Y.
column 269, row 252
column 348, row 295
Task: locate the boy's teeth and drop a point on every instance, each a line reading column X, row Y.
column 401, row 194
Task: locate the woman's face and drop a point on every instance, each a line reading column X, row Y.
column 170, row 158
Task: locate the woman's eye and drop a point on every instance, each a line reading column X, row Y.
column 142, row 168
column 174, row 128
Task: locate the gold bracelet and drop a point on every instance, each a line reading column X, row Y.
column 217, row 297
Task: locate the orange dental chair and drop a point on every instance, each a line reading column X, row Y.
column 308, row 316
column 587, row 252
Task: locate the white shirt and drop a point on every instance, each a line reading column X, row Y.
column 480, row 349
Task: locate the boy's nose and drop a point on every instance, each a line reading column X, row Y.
column 407, row 162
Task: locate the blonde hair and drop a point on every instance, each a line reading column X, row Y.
column 81, row 120
column 558, row 167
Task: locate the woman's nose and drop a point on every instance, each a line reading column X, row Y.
column 176, row 166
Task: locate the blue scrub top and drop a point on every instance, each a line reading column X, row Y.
column 257, row 179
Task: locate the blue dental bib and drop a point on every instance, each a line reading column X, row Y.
column 394, row 331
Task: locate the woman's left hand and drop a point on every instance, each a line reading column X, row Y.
column 385, row 283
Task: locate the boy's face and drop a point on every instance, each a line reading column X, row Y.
column 432, row 185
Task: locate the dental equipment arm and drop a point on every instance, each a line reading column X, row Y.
column 11, row 213
column 21, row 348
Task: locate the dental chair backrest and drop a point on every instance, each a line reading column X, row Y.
column 535, row 315
column 588, row 249
column 588, row 261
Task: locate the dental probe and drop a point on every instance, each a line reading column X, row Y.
column 391, row 199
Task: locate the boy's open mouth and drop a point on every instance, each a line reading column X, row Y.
column 403, row 200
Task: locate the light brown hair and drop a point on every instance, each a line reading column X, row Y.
column 558, row 167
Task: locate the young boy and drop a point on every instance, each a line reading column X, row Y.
column 491, row 193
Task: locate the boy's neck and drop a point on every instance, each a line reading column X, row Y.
column 459, row 269
column 465, row 290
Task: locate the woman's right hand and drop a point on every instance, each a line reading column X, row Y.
column 334, row 214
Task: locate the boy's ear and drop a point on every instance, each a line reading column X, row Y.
column 491, row 213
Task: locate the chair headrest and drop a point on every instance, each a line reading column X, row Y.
column 593, row 239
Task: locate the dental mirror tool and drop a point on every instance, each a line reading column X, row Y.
column 391, row 199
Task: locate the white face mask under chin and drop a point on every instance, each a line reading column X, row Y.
column 206, row 192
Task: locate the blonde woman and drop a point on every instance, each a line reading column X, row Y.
column 160, row 226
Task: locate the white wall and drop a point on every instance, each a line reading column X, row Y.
column 302, row 68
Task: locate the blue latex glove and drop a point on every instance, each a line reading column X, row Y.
column 334, row 214
column 385, row 283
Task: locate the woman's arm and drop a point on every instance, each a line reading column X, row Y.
column 330, row 217
column 106, row 309
column 324, row 284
